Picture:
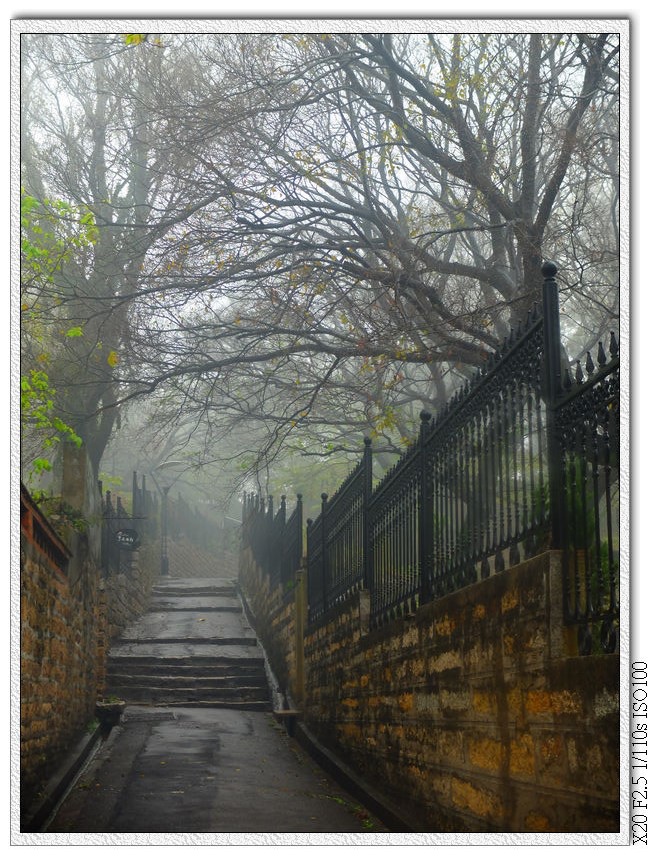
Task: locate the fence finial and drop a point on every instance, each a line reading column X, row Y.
column 549, row 270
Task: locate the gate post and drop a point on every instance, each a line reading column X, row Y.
column 552, row 384
column 325, row 565
column 425, row 523
column 368, row 560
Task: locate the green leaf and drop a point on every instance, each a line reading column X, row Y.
column 75, row 331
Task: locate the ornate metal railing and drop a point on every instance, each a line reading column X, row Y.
column 276, row 542
column 521, row 460
column 336, row 540
column 116, row 525
column 587, row 425
column 291, row 544
column 124, row 533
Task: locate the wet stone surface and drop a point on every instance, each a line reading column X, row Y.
column 206, row 770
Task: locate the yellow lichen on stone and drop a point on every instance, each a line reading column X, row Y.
column 471, row 798
column 484, row 702
column 509, row 601
column 551, row 749
column 566, row 702
column 478, row 613
column 486, row 753
column 446, row 661
column 538, row 702
column 536, row 822
column 444, row 627
column 522, row 756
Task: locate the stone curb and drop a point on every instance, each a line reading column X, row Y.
column 60, row 782
column 341, row 773
column 346, row 778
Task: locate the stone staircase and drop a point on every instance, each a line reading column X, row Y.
column 197, row 681
column 192, row 648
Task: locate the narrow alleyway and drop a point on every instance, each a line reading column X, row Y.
column 198, row 748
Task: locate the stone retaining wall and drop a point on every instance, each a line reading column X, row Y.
column 472, row 715
column 69, row 614
column 59, row 658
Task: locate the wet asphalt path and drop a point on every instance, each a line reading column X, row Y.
column 182, row 770
column 179, row 771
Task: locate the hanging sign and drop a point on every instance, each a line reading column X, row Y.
column 127, row 539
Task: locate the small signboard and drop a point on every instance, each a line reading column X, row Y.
column 127, row 539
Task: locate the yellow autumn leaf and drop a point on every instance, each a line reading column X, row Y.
column 112, row 359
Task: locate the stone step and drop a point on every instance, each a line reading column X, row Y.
column 194, row 641
column 229, row 655
column 194, row 608
column 246, row 706
column 116, row 678
column 163, row 694
column 191, row 667
column 197, row 592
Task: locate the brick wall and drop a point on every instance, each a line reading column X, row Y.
column 70, row 612
column 59, row 653
column 273, row 611
column 126, row 594
column 472, row 715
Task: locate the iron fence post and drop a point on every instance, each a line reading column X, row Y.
column 269, row 537
column 324, row 553
column 425, row 524
column 552, row 384
column 368, row 562
column 164, row 559
column 299, row 529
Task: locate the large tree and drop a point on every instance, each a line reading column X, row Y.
column 334, row 229
column 91, row 138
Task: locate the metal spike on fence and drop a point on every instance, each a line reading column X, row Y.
column 602, row 357
column 579, row 374
column 567, row 383
column 613, row 344
column 590, row 365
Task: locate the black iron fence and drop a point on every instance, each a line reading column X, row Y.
column 156, row 515
column 118, row 538
column 337, row 540
column 587, row 422
column 124, row 532
column 524, row 458
column 276, row 542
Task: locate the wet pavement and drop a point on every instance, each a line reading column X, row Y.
column 175, row 766
column 186, row 770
